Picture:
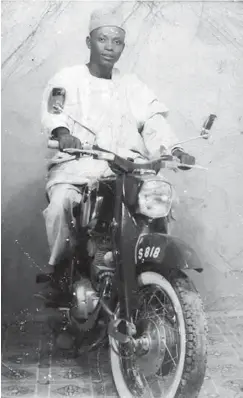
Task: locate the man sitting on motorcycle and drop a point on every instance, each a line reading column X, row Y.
column 96, row 104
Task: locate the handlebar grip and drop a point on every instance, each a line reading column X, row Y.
column 53, row 144
column 209, row 122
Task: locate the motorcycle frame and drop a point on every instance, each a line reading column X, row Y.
column 123, row 252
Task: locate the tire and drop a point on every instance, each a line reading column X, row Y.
column 189, row 311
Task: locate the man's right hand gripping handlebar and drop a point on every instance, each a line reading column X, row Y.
column 65, row 139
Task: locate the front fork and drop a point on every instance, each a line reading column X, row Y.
column 124, row 241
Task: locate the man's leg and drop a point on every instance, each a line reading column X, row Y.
column 61, row 229
column 60, row 221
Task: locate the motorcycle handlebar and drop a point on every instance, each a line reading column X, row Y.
column 125, row 164
column 99, row 153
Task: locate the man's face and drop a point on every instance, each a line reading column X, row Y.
column 106, row 45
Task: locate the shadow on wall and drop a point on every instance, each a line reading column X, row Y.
column 193, row 232
column 24, row 249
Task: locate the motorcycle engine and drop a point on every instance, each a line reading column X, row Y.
column 86, row 291
column 100, row 249
column 85, row 299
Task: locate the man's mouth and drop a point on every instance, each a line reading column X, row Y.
column 107, row 56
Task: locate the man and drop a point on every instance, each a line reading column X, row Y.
column 94, row 103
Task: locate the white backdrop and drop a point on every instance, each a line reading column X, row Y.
column 190, row 54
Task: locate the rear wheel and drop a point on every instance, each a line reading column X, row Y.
column 167, row 357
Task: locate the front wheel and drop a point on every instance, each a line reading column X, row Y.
column 167, row 357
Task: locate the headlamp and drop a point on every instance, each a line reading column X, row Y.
column 155, row 198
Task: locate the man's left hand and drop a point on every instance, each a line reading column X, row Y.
column 185, row 158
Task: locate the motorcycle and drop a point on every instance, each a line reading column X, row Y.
column 129, row 287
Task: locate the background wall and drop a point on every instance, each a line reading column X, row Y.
column 190, row 54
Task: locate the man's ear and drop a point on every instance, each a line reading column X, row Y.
column 88, row 42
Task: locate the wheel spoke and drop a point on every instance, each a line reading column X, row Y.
column 154, row 366
column 155, row 310
column 169, row 353
column 153, row 295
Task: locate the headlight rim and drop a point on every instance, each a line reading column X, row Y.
column 167, row 206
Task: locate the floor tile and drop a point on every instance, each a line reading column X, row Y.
column 33, row 366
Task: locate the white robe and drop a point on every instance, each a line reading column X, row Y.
column 122, row 113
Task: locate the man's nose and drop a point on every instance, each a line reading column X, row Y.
column 109, row 45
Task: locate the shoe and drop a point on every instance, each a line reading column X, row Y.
column 47, row 293
column 50, row 292
column 55, row 288
column 43, row 278
column 54, row 298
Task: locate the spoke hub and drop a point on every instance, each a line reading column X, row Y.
column 150, row 346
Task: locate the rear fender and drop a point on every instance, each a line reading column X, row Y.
column 166, row 251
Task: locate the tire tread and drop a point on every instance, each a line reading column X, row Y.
column 196, row 336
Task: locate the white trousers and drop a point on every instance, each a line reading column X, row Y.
column 60, row 220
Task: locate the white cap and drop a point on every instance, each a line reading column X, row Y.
column 106, row 17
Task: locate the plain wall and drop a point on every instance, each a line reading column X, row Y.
column 190, row 54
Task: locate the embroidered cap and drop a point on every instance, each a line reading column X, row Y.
column 106, row 17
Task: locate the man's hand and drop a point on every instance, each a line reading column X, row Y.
column 69, row 141
column 184, row 158
column 66, row 140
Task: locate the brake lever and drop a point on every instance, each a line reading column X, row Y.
column 193, row 166
column 176, row 164
column 75, row 151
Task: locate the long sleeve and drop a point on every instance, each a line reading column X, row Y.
column 156, row 133
column 150, row 115
column 49, row 119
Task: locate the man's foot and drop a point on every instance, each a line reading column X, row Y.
column 54, row 299
column 49, row 294
column 53, row 291
column 55, row 284
column 43, row 278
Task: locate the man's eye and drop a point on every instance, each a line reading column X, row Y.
column 118, row 42
column 101, row 39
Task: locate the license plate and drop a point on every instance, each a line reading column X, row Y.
column 150, row 247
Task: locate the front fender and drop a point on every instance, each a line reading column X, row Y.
column 167, row 251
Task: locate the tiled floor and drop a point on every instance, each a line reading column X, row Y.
column 33, row 367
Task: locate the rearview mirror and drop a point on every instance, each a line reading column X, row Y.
column 207, row 126
column 56, row 100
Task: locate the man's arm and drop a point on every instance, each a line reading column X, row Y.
column 151, row 115
column 55, row 121
column 157, row 134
